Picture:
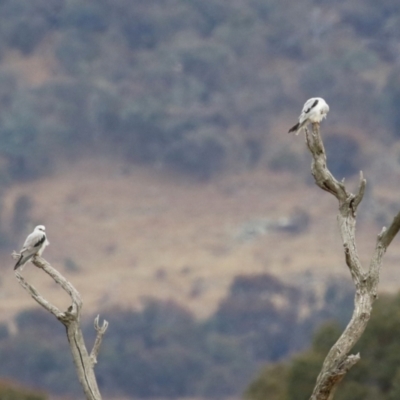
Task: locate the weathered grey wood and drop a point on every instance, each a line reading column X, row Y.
column 84, row 363
column 338, row 361
column 101, row 330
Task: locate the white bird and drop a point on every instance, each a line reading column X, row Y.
column 314, row 110
column 34, row 245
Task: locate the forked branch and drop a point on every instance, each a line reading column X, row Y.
column 338, row 361
column 101, row 330
column 84, row 363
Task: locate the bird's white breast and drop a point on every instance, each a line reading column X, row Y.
column 318, row 113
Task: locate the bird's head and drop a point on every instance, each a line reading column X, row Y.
column 40, row 228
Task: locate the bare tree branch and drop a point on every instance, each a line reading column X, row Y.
column 37, row 296
column 76, row 306
column 84, row 363
column 361, row 190
column 390, row 233
column 338, row 361
column 101, row 330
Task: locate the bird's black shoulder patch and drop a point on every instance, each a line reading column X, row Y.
column 312, row 106
column 40, row 241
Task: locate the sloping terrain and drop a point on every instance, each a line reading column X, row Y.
column 124, row 233
column 208, row 90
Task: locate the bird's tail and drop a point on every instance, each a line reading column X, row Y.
column 294, row 128
column 19, row 262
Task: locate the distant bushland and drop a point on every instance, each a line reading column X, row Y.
column 183, row 85
column 162, row 350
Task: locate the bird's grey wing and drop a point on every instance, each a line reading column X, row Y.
column 31, row 246
column 308, row 107
column 33, row 241
column 26, row 255
column 40, row 242
column 310, row 104
column 307, row 104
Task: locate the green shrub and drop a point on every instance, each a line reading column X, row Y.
column 12, row 391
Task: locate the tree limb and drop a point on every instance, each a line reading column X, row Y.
column 84, row 363
column 76, row 306
column 390, row 233
column 101, row 330
column 37, row 296
column 338, row 361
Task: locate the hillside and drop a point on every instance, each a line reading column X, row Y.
column 121, row 234
column 196, row 87
column 150, row 138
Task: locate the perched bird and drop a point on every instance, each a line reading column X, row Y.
column 33, row 246
column 314, row 110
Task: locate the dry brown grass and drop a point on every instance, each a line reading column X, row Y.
column 143, row 233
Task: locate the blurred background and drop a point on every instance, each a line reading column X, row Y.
column 150, row 137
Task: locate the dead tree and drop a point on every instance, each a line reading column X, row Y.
column 339, row 360
column 84, row 362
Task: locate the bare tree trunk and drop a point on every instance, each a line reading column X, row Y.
column 338, row 361
column 84, row 362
